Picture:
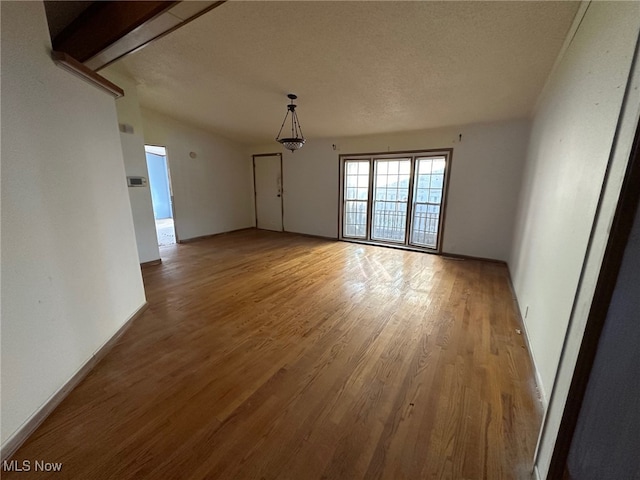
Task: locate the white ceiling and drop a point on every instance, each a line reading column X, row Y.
column 357, row 67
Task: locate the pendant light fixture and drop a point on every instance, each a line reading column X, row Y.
column 296, row 140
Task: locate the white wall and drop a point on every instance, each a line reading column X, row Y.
column 212, row 192
column 570, row 145
column 628, row 123
column 70, row 273
column 135, row 164
column 483, row 189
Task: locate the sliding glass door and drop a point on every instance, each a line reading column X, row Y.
column 427, row 201
column 356, row 198
column 395, row 199
column 391, row 199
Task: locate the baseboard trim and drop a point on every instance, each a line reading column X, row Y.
column 151, row 263
column 525, row 334
column 309, row 235
column 471, row 257
column 15, row 442
column 205, row 237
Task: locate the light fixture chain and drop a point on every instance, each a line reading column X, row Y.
column 299, row 128
column 282, row 126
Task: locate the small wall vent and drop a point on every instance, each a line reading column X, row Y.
column 136, row 181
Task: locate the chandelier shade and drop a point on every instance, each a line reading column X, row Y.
column 296, row 140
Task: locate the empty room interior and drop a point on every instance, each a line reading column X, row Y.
column 320, row 240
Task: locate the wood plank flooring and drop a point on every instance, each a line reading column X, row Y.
column 278, row 356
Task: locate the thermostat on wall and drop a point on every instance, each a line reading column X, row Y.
column 136, row 181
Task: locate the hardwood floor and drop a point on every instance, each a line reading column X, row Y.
column 267, row 355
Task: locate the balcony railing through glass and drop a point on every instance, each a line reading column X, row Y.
column 424, row 229
column 389, row 220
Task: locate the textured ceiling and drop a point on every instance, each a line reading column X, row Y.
column 357, row 67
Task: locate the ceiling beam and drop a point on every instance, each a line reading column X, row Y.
column 109, row 30
column 102, row 24
column 73, row 66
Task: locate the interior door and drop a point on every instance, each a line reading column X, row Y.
column 267, row 175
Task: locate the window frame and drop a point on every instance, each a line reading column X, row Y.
column 413, row 155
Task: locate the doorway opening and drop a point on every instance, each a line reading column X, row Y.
column 161, row 194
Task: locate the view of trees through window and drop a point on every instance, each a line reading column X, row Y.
column 394, row 199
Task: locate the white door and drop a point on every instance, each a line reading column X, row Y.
column 267, row 174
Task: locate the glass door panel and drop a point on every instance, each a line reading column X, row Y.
column 427, row 201
column 356, row 198
column 390, row 199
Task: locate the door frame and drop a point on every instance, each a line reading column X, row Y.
column 255, row 197
column 625, row 212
